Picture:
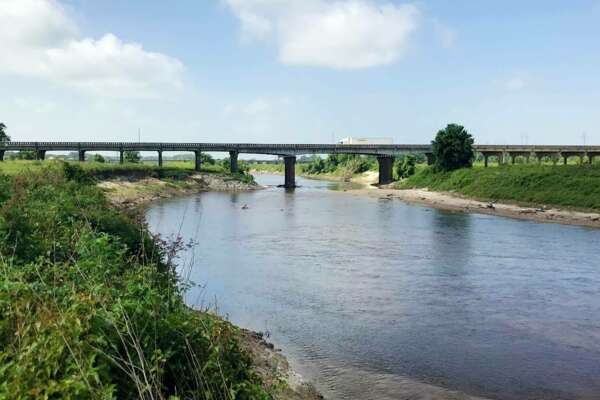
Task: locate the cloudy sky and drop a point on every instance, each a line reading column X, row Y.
column 300, row 70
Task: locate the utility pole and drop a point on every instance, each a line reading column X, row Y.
column 139, row 135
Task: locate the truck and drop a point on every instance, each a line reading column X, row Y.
column 366, row 140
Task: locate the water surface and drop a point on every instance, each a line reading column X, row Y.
column 373, row 298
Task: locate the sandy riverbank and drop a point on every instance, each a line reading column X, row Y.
column 126, row 192
column 454, row 202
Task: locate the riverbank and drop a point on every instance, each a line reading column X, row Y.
column 267, row 361
column 127, row 192
column 456, row 202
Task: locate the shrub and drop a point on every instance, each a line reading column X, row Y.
column 91, row 309
column 453, row 148
column 132, row 157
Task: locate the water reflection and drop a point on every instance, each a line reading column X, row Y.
column 371, row 297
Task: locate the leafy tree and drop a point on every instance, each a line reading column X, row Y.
column 406, row 166
column 132, row 156
column 206, row 159
column 3, row 135
column 99, row 159
column 25, row 155
column 453, row 148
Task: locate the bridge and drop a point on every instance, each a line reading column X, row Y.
column 385, row 153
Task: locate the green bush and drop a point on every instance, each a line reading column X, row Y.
column 91, row 309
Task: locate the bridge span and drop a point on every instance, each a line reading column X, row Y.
column 385, row 153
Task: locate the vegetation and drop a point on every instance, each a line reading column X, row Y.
column 90, row 305
column 575, row 186
column 132, row 157
column 98, row 158
column 3, row 135
column 453, row 148
column 405, row 167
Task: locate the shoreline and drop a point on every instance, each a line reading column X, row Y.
column 268, row 361
column 459, row 203
column 453, row 202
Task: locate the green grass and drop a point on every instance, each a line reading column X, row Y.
column 91, row 306
column 172, row 168
column 575, row 186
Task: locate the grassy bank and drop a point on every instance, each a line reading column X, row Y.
column 90, row 305
column 576, row 186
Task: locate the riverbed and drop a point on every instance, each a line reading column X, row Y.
column 374, row 298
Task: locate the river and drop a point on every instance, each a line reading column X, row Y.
column 377, row 299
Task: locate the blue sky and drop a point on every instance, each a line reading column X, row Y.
column 300, row 70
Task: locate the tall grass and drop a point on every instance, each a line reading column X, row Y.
column 576, row 186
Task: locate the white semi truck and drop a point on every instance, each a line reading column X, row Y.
column 367, row 140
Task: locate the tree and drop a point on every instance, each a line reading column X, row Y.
column 25, row 155
column 453, row 148
column 406, row 166
column 3, row 135
column 132, row 156
column 98, row 158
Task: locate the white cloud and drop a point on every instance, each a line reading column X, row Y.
column 345, row 34
column 38, row 40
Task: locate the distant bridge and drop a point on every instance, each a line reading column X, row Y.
column 385, row 153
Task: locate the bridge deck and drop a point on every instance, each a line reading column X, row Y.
column 284, row 149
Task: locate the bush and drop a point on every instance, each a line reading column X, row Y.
column 98, row 158
column 133, row 157
column 405, row 167
column 90, row 308
column 453, row 148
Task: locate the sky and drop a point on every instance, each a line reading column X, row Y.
column 300, row 71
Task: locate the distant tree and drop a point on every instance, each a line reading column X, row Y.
column 98, row 158
column 25, row 155
column 453, row 148
column 206, row 159
column 132, row 156
column 406, row 166
column 3, row 135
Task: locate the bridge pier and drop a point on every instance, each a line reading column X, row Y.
column 121, row 156
column 197, row 160
column 160, row 159
column 290, row 172
column 233, row 161
column 40, row 155
column 81, row 155
column 386, row 164
column 2, row 155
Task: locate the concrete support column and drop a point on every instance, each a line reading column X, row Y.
column 81, row 155
column 565, row 159
column 513, row 158
column 233, row 160
column 591, row 158
column 197, row 160
column 485, row 159
column 40, row 155
column 385, row 169
column 429, row 158
column 2, row 155
column 539, row 157
column 160, row 160
column 290, row 172
column 121, row 156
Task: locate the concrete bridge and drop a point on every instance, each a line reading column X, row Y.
column 385, row 153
